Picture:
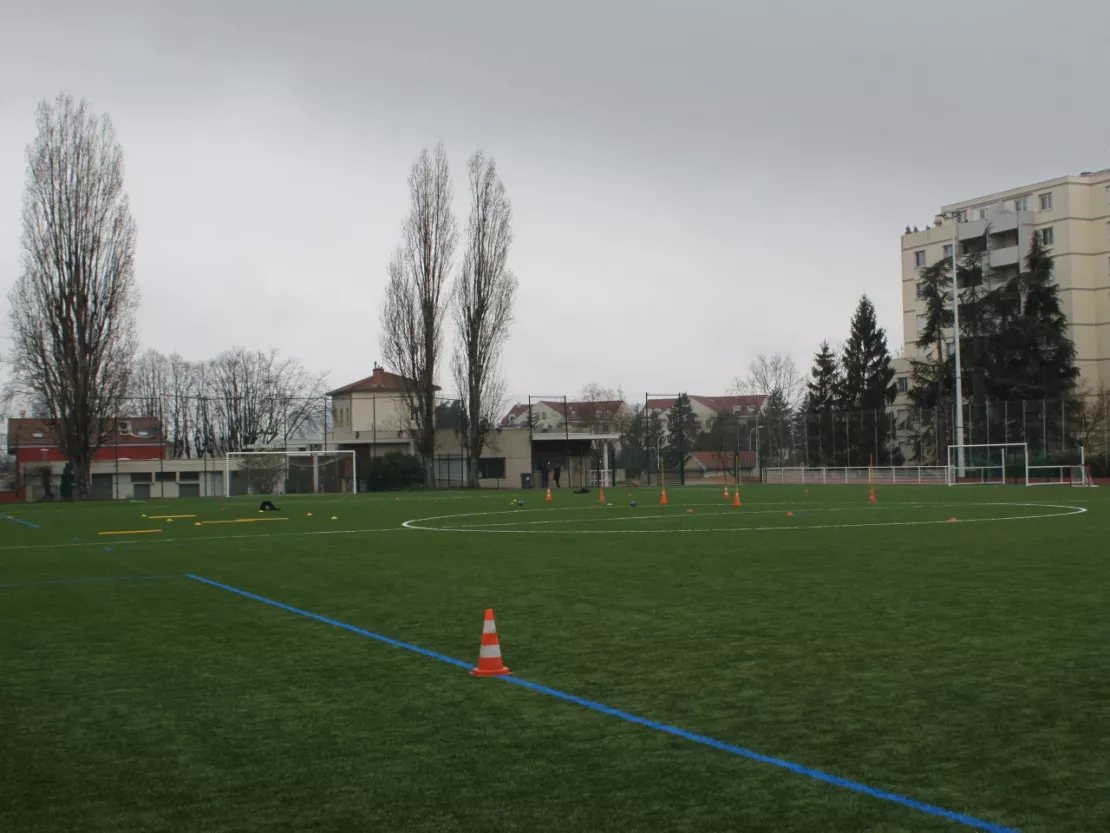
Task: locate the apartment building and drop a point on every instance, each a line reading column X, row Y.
column 1072, row 216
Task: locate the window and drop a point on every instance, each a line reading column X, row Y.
column 141, row 477
column 1048, row 236
column 189, row 476
column 948, row 250
column 1046, row 201
column 920, row 291
column 919, row 258
column 982, row 213
column 166, row 476
column 963, row 216
column 1021, row 204
column 921, row 323
column 903, row 384
column 491, row 468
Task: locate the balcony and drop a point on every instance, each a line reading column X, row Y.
column 1008, row 256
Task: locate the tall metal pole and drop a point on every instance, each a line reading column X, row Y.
column 959, row 393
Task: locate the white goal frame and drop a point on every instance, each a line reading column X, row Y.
column 1078, row 475
column 958, row 467
column 315, row 455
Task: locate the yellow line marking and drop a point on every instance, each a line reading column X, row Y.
column 129, row 532
column 164, row 517
column 244, row 521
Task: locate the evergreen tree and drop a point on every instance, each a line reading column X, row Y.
column 682, row 427
column 822, row 393
column 777, row 416
column 926, row 422
column 1034, row 358
column 867, row 385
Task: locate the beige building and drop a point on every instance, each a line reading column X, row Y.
column 1072, row 215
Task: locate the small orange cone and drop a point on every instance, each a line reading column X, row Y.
column 489, row 655
column 736, row 498
column 790, row 514
column 871, row 498
column 726, row 491
column 548, row 493
column 952, row 520
column 601, row 497
column 663, row 498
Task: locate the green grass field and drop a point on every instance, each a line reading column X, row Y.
column 959, row 664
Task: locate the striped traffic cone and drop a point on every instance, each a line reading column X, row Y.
column 736, row 500
column 601, row 496
column 663, row 498
column 548, row 493
column 726, row 491
column 489, row 655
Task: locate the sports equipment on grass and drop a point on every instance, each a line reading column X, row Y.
column 1059, row 476
column 988, row 463
column 489, row 654
column 290, row 472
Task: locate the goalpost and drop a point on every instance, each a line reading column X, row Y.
column 1059, row 476
column 290, row 472
column 988, row 463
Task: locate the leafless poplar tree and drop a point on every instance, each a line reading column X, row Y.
column 415, row 300
column 483, row 308
column 73, row 308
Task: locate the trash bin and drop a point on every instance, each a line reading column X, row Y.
column 526, row 480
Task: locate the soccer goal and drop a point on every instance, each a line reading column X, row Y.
column 1059, row 476
column 988, row 463
column 290, row 472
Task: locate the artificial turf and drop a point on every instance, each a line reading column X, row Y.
column 961, row 664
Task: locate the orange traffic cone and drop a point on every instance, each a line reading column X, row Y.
column 601, row 496
column 489, row 655
column 663, row 497
column 548, row 493
column 736, row 497
column 871, row 498
column 726, row 491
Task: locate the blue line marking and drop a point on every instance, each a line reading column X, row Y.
column 20, row 521
column 335, row 623
column 790, row 766
column 88, row 580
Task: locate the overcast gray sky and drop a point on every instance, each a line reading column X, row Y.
column 693, row 182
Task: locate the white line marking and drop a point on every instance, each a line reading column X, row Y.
column 1068, row 510
column 200, row 539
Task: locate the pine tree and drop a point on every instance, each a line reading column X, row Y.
column 926, row 422
column 867, row 385
column 1034, row 357
column 822, row 393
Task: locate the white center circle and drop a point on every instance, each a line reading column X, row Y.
column 606, row 515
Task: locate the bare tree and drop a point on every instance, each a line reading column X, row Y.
column 770, row 373
column 257, row 397
column 602, row 409
column 73, row 308
column 483, row 308
column 415, row 300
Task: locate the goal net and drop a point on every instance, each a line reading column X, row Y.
column 289, row 472
column 988, row 463
column 1059, row 476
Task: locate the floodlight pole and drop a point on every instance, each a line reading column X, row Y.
column 959, row 393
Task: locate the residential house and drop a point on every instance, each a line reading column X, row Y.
column 557, row 415
column 738, row 410
column 40, row 459
column 720, row 466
